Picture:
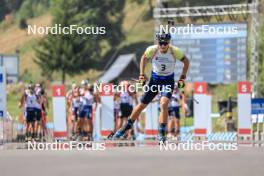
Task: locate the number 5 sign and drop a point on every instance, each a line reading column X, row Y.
column 244, row 87
column 244, row 109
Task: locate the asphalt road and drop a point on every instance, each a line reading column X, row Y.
column 132, row 161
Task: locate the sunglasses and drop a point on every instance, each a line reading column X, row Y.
column 163, row 43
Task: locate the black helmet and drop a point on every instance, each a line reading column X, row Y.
column 163, row 37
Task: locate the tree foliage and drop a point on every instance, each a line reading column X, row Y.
column 32, row 8
column 261, row 64
column 73, row 53
column 3, row 9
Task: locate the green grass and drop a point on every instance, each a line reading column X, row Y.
column 12, row 105
column 186, row 121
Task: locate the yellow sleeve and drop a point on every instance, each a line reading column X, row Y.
column 150, row 51
column 177, row 53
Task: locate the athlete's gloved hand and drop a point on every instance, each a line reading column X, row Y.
column 181, row 82
column 142, row 80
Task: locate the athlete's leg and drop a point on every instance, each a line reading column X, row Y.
column 89, row 129
column 82, row 125
column 137, row 110
column 171, row 127
column 79, row 127
column 177, row 122
column 82, row 122
column 43, row 125
column 170, row 123
column 76, row 125
column 119, row 123
column 85, row 129
column 164, row 102
column 129, row 124
column 38, row 131
column 32, row 129
column 74, row 116
column 124, row 108
column 130, row 133
column 177, row 127
column 30, row 123
column 38, row 121
column 123, row 121
column 163, row 117
column 28, row 131
column 115, row 119
column 145, row 100
column 27, row 126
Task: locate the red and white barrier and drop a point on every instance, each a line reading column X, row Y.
column 202, row 110
column 97, row 123
column 244, row 110
column 107, row 110
column 59, row 112
column 151, row 127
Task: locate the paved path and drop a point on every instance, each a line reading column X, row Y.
column 132, row 161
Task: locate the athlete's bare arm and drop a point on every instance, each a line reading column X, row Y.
column 142, row 64
column 186, row 64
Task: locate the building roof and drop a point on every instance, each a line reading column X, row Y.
column 120, row 64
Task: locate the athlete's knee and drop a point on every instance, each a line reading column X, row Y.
column 163, row 105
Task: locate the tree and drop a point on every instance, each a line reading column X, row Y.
column 13, row 5
column 3, row 9
column 260, row 85
column 32, row 8
column 73, row 53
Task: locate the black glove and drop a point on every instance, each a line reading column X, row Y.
column 181, row 82
column 142, row 80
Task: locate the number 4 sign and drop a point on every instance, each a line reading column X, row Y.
column 200, row 87
column 202, row 111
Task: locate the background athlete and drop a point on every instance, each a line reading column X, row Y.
column 87, row 99
column 174, row 115
column 163, row 57
column 73, row 103
column 30, row 102
column 127, row 99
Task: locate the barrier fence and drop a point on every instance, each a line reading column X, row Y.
column 8, row 131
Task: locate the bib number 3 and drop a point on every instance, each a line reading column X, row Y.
column 163, row 67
